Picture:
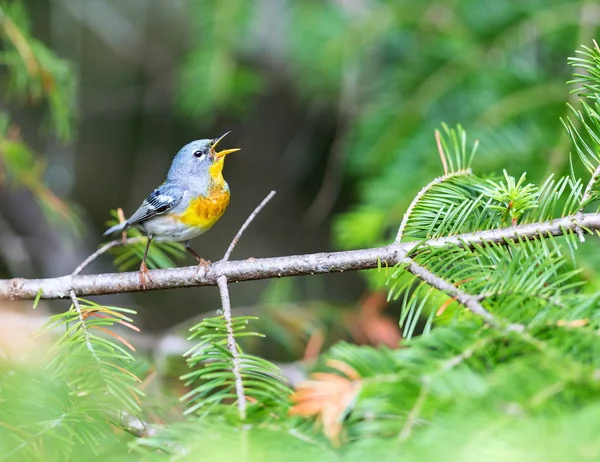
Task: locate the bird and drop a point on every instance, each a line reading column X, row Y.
column 188, row 203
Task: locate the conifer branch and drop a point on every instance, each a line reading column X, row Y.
column 106, row 247
column 86, row 333
column 295, row 265
column 469, row 301
column 232, row 347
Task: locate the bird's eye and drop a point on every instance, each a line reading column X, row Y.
column 198, row 153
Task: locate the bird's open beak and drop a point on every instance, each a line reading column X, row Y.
column 221, row 154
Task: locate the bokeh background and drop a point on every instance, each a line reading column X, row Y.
column 334, row 103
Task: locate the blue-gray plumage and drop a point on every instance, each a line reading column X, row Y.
column 187, row 179
column 192, row 198
column 162, row 199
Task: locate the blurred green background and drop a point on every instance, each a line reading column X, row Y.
column 334, row 103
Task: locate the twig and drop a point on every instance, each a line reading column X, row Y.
column 420, row 195
column 252, row 216
column 471, row 302
column 587, row 194
column 86, row 334
column 414, row 414
column 295, row 265
column 232, row 346
column 105, row 248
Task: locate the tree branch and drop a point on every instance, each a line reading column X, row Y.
column 467, row 300
column 296, row 265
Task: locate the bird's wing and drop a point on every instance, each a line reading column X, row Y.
column 162, row 199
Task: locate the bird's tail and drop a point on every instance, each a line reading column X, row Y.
column 115, row 229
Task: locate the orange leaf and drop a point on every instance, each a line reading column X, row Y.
column 328, row 397
column 343, row 368
column 444, row 305
column 115, row 335
column 462, row 281
column 120, row 321
column 372, row 326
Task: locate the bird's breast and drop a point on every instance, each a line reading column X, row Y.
column 205, row 211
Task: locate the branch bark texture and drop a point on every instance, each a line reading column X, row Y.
column 265, row 268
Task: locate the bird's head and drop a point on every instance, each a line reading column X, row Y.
column 200, row 160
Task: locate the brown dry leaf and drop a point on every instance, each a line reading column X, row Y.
column 372, row 326
column 327, row 396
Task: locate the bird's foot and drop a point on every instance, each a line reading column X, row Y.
column 202, row 263
column 144, row 276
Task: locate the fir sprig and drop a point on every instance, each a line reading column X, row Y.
column 212, row 368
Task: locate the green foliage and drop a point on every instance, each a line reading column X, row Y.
column 461, row 370
column 61, row 405
column 513, row 198
column 211, row 78
column 523, row 282
column 213, row 364
column 22, row 168
column 503, row 276
column 108, row 360
column 395, row 69
column 587, row 59
column 215, row 439
column 462, row 389
column 35, row 73
column 456, row 156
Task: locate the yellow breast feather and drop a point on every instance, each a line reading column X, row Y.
column 205, row 211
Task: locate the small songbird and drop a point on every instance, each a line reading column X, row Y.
column 192, row 199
